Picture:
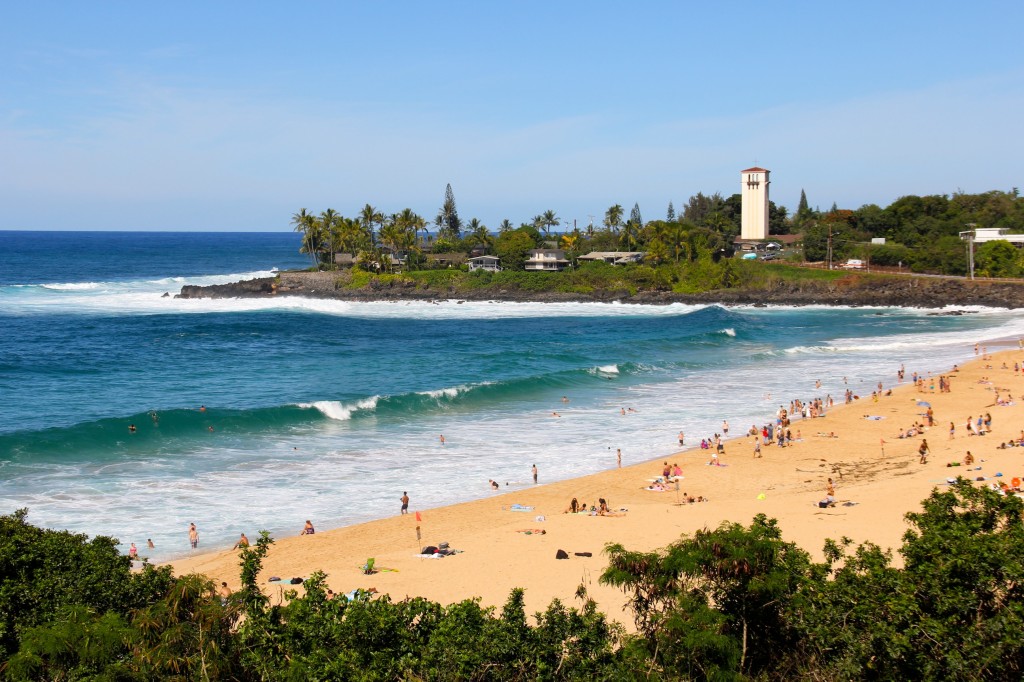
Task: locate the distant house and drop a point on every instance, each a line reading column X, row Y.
column 614, row 257
column 489, row 263
column 446, row 260
column 344, row 260
column 546, row 260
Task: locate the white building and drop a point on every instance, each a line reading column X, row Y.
column 991, row 234
column 548, row 260
column 754, row 194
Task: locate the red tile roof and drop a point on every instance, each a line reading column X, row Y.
column 755, row 169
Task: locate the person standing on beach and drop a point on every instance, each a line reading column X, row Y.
column 757, row 447
column 405, row 502
column 534, row 470
column 923, row 451
column 618, row 457
column 193, row 536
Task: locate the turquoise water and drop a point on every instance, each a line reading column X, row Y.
column 329, row 410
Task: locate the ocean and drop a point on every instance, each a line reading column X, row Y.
column 261, row 413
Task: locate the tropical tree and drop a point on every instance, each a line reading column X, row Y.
column 328, row 220
column 630, row 234
column 505, row 226
column 670, row 215
column 713, row 606
column 549, row 220
column 447, row 220
column 370, row 216
column 306, row 224
column 479, row 234
column 613, row 218
column 634, row 215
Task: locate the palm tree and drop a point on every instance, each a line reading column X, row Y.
column 550, row 220
column 629, row 234
column 328, row 220
column 370, row 215
column 305, row 223
column 479, row 233
column 675, row 241
column 506, row 226
column 613, row 218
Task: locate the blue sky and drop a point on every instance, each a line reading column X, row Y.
column 232, row 116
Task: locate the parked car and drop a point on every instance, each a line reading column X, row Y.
column 769, row 256
column 853, row 264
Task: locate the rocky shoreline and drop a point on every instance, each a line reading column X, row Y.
column 853, row 290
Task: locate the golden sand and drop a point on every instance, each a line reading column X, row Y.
column 874, row 489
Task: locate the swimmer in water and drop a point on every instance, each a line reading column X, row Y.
column 131, row 428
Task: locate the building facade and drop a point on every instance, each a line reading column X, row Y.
column 754, row 194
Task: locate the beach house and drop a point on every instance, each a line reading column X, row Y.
column 614, row 257
column 546, row 260
column 488, row 263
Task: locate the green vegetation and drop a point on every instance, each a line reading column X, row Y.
column 704, row 274
column 922, row 235
column 733, row 603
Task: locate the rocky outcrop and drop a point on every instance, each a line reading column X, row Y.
column 853, row 290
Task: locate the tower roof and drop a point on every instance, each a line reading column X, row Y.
column 755, row 169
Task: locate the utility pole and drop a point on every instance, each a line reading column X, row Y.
column 830, row 246
column 968, row 236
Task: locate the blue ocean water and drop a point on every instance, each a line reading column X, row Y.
column 254, row 414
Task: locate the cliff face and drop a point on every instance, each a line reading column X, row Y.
column 854, row 290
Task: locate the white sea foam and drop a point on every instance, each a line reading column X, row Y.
column 339, row 411
column 449, row 392
column 338, row 475
column 728, row 331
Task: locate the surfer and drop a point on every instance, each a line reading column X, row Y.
column 131, row 428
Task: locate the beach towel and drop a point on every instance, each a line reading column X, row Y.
column 519, row 508
column 532, row 531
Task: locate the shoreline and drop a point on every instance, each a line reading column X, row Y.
column 857, row 290
column 782, row 484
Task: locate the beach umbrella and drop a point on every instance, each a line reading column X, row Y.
column 923, row 403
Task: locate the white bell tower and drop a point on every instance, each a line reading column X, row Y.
column 754, row 193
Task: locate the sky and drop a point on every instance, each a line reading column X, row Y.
column 232, row 116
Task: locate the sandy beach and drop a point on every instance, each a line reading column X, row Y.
column 876, row 484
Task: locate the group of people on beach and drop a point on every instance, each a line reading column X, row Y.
column 599, row 509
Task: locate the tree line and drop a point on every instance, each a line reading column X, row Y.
column 733, row 603
column 922, row 233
